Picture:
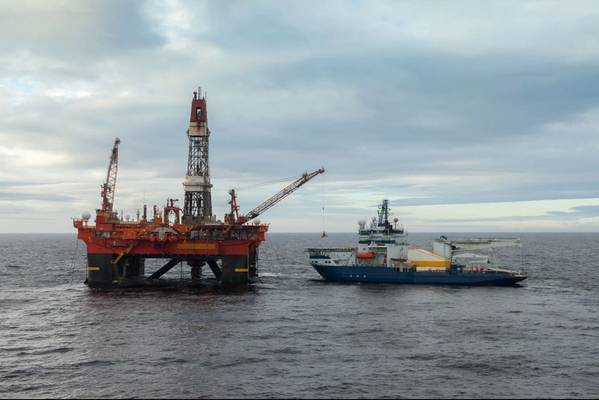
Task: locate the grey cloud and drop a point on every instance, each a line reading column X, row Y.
column 572, row 215
column 75, row 30
column 358, row 88
column 19, row 196
column 577, row 212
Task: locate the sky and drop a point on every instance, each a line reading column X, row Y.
column 467, row 116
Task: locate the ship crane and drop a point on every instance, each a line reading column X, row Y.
column 235, row 218
column 109, row 185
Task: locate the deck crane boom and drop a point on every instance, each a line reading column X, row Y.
column 109, row 185
column 286, row 191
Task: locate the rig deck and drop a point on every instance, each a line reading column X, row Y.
column 117, row 250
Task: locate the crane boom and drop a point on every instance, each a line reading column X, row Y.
column 109, row 185
column 286, row 191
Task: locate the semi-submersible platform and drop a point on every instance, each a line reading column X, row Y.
column 118, row 247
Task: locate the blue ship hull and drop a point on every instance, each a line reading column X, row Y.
column 340, row 273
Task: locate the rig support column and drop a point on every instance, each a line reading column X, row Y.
column 196, row 270
column 252, row 263
column 134, row 267
column 100, row 271
column 235, row 271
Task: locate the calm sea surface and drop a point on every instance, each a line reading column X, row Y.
column 293, row 335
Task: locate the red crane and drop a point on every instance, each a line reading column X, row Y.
column 109, row 186
column 286, row 191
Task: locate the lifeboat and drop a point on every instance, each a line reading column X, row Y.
column 365, row 255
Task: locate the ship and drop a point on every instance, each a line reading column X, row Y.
column 384, row 255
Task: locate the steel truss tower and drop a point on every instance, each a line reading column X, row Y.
column 198, row 203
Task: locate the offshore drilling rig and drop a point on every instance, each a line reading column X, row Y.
column 117, row 248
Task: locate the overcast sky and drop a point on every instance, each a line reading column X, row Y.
column 467, row 116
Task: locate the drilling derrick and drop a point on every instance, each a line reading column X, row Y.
column 198, row 203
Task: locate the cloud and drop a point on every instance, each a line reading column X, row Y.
column 76, row 30
column 423, row 103
column 577, row 212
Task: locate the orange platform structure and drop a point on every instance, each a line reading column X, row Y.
column 117, row 248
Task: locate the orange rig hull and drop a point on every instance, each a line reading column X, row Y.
column 117, row 250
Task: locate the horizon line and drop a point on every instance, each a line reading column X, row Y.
column 319, row 232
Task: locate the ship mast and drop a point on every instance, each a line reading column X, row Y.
column 384, row 213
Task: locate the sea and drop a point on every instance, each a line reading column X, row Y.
column 291, row 334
